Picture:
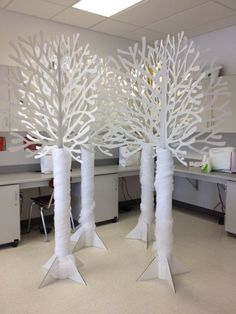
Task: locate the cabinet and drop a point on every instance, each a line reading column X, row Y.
column 9, row 104
column 9, row 214
column 229, row 125
column 105, row 196
column 14, row 102
column 230, row 217
column 4, row 120
column 206, row 114
column 4, row 100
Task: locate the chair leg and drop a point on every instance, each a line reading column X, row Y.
column 21, row 204
column 30, row 214
column 44, row 225
column 72, row 222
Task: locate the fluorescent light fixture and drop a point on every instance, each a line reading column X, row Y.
column 104, row 7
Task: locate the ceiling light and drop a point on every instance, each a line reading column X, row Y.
column 104, row 7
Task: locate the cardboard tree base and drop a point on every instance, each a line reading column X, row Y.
column 59, row 268
column 164, row 271
column 143, row 232
column 49, row 263
column 86, row 238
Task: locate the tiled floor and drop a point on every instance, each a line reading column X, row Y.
column 202, row 244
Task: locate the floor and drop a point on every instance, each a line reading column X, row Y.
column 202, row 244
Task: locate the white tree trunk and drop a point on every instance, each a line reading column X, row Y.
column 86, row 235
column 62, row 265
column 61, row 173
column 87, row 215
column 144, row 228
column 147, row 184
column 164, row 265
column 164, row 220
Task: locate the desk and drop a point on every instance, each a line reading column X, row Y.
column 33, row 179
column 28, row 180
column 228, row 179
column 195, row 173
column 106, row 195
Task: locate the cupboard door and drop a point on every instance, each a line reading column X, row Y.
column 4, row 91
column 14, row 102
column 206, row 114
column 4, row 100
column 229, row 123
column 106, row 197
column 9, row 214
column 15, row 119
column 230, row 217
column 4, row 119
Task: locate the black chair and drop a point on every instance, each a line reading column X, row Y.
column 45, row 203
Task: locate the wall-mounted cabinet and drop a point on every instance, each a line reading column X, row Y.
column 9, row 117
column 15, row 119
column 4, row 120
column 4, row 100
column 229, row 125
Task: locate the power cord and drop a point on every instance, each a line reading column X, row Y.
column 221, row 202
column 126, row 195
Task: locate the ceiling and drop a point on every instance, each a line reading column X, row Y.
column 151, row 18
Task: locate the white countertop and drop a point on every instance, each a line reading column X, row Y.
column 196, row 173
column 36, row 179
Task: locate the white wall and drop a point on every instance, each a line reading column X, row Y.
column 222, row 45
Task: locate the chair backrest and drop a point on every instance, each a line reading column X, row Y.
column 51, row 185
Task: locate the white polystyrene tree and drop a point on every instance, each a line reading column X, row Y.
column 107, row 120
column 184, row 105
column 56, row 86
column 188, row 98
column 138, row 108
column 99, row 137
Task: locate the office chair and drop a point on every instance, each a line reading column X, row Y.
column 45, row 202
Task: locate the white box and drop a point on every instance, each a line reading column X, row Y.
column 223, row 159
column 46, row 164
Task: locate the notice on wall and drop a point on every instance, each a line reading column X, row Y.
column 2, row 143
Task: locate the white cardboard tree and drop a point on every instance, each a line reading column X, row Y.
column 167, row 106
column 183, row 104
column 86, row 235
column 56, row 83
column 138, row 108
